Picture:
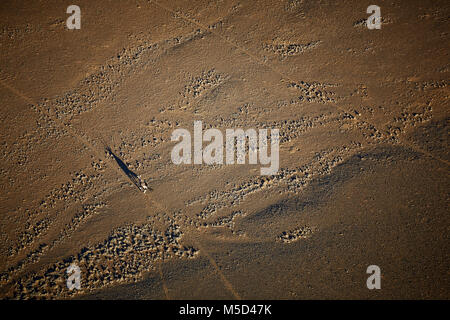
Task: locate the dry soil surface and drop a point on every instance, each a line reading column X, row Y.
column 364, row 159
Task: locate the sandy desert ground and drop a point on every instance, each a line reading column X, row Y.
column 363, row 117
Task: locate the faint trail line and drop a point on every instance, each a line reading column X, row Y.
column 258, row 60
column 225, row 281
column 213, row 262
column 420, row 150
column 64, row 126
column 166, row 291
column 82, row 141
column 91, row 147
column 16, row 92
column 59, row 122
column 184, row 17
column 282, row 75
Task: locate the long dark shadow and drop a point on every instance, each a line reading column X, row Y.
column 140, row 184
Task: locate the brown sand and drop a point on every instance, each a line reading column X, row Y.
column 364, row 163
